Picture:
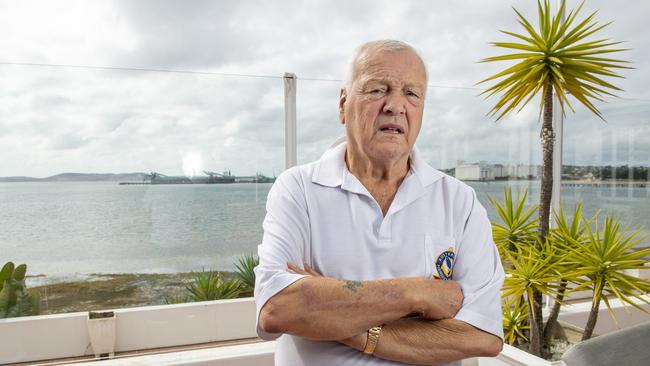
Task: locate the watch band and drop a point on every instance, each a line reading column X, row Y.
column 373, row 338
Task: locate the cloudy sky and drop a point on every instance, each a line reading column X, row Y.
column 67, row 119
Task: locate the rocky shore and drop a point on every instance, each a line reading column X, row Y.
column 113, row 291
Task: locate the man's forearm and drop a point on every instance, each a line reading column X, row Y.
column 424, row 342
column 321, row 308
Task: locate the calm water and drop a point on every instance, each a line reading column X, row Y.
column 69, row 229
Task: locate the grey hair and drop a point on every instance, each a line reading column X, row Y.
column 366, row 50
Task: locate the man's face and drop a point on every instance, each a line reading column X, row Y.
column 382, row 110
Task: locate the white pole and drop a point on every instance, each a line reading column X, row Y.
column 290, row 142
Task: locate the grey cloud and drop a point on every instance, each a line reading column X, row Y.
column 141, row 121
column 49, row 101
column 173, row 34
column 68, row 142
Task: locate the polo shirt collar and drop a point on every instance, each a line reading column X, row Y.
column 331, row 170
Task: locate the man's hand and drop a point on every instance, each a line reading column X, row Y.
column 308, row 271
column 438, row 299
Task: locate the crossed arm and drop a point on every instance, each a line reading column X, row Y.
column 322, row 308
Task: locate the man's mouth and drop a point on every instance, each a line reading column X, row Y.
column 393, row 130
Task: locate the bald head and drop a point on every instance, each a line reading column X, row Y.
column 365, row 54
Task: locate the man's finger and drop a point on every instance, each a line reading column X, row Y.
column 311, row 270
column 297, row 270
column 293, row 268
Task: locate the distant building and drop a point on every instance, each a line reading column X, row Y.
column 482, row 171
column 521, row 171
column 475, row 171
column 500, row 172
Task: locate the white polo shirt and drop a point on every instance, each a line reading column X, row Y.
column 321, row 213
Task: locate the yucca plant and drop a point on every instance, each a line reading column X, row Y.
column 518, row 224
column 603, row 258
column 566, row 232
column 554, row 57
column 515, row 321
column 245, row 272
column 516, row 233
column 210, row 285
column 534, row 269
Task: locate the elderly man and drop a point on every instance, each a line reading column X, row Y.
column 370, row 256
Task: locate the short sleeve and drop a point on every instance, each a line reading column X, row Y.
column 479, row 272
column 286, row 232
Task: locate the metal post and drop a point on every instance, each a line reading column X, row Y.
column 290, row 142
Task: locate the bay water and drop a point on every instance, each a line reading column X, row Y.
column 72, row 230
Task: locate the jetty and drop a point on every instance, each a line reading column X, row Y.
column 606, row 184
column 226, row 177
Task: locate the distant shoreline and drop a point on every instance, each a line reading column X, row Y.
column 136, row 177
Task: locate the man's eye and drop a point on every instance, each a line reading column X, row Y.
column 377, row 91
column 411, row 93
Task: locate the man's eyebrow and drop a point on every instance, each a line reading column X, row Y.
column 374, row 80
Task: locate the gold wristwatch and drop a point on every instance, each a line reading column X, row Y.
column 373, row 338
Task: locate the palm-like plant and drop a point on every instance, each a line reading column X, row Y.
column 518, row 224
column 566, row 232
column 210, row 285
column 535, row 269
column 603, row 259
column 515, row 321
column 245, row 272
column 553, row 57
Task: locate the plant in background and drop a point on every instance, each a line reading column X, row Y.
column 554, row 57
column 590, row 258
column 15, row 300
column 210, row 285
column 515, row 321
column 245, row 272
column 563, row 235
column 519, row 225
column 603, row 259
column 533, row 269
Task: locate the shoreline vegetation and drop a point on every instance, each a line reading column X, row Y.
column 114, row 291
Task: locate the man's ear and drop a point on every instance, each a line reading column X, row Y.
column 343, row 96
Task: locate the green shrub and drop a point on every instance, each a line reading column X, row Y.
column 245, row 266
column 210, row 285
column 15, row 300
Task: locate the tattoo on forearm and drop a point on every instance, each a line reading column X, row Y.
column 353, row 285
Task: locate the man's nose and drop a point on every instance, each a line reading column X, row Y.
column 395, row 104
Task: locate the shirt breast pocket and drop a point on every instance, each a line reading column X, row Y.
column 441, row 255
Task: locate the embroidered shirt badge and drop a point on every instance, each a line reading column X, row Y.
column 445, row 264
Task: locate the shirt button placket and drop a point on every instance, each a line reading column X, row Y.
column 385, row 229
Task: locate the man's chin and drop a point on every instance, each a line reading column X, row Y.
column 390, row 151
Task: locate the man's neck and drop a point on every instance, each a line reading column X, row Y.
column 386, row 171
